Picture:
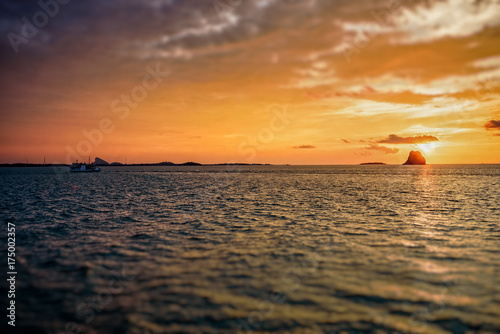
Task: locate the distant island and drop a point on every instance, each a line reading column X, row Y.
column 373, row 163
column 100, row 162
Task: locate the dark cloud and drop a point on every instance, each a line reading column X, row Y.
column 305, row 146
column 345, row 141
column 386, row 150
column 395, row 139
column 493, row 125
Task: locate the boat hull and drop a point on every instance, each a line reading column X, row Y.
column 83, row 168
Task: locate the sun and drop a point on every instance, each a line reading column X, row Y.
column 427, row 148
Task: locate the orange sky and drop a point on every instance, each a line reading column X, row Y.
column 299, row 82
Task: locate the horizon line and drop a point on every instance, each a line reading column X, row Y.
column 197, row 164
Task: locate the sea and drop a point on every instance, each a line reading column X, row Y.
column 253, row 249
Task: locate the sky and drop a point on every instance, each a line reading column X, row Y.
column 263, row 81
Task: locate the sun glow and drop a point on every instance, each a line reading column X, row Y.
column 427, row 148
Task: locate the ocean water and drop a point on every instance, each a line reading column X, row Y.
column 255, row 249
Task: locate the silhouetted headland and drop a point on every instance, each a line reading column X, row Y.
column 415, row 158
column 373, row 163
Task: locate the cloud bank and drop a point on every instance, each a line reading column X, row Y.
column 384, row 149
column 304, row 146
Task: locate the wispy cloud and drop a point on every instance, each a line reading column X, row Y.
column 386, row 150
column 440, row 19
column 423, row 23
column 305, row 146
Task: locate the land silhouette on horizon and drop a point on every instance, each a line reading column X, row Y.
column 414, row 158
column 100, row 162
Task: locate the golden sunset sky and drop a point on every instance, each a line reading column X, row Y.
column 284, row 81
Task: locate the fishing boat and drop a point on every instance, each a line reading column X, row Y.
column 83, row 167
